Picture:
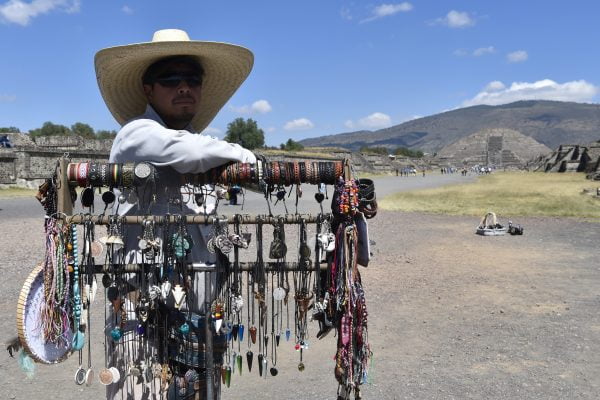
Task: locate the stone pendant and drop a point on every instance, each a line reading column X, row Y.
column 234, row 331
column 238, row 361
column 228, row 376
column 252, row 331
column 260, row 364
column 249, row 359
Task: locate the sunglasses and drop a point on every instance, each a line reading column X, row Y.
column 173, row 81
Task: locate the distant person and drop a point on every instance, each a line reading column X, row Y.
column 233, row 192
column 5, row 142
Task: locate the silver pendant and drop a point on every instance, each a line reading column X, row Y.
column 89, row 376
column 80, row 376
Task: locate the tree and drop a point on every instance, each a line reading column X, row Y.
column 9, row 129
column 403, row 151
column 292, row 145
column 374, row 150
column 245, row 133
column 104, row 134
column 50, row 129
column 83, row 130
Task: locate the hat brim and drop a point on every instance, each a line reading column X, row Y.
column 119, row 73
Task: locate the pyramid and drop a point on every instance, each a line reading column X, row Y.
column 502, row 148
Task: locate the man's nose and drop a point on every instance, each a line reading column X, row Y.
column 183, row 87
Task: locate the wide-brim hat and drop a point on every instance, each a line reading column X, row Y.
column 119, row 73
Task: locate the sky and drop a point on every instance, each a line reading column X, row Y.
column 321, row 66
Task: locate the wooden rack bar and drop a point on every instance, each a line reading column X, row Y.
column 201, row 267
column 193, row 219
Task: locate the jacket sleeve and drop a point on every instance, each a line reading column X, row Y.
column 186, row 152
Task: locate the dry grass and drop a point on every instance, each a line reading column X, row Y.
column 308, row 152
column 12, row 192
column 511, row 193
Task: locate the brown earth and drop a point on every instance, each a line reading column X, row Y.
column 452, row 315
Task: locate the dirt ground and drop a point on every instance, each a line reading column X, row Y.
column 452, row 315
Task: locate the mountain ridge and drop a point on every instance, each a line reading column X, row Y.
column 549, row 122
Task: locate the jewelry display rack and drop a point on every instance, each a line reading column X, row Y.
column 65, row 185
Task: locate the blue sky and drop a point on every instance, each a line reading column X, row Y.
column 321, row 66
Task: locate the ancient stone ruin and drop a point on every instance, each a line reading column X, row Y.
column 571, row 158
column 501, row 148
column 27, row 162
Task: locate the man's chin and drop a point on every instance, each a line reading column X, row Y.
column 182, row 119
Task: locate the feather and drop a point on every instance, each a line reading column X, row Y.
column 27, row 364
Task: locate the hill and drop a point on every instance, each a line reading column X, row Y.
column 549, row 122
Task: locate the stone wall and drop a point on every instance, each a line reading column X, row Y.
column 29, row 162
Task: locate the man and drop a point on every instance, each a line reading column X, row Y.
column 163, row 92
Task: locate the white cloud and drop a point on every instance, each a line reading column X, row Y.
column 517, row 56
column 20, row 12
column 7, row 98
column 494, row 86
column 376, row 120
column 209, row 130
column 127, row 10
column 259, row 106
column 300, row 124
column 475, row 53
column 456, row 19
column 483, row 51
column 385, row 10
column 271, row 129
column 497, row 93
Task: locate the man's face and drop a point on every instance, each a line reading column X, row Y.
column 175, row 94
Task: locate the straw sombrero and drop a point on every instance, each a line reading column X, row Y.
column 119, row 72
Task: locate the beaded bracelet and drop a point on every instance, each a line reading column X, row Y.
column 94, row 174
column 291, row 172
column 302, row 168
column 339, row 169
column 286, row 173
column 127, row 175
column 296, row 172
column 244, row 172
column 117, row 175
column 103, row 172
column 82, row 174
column 330, row 173
column 259, row 169
column 308, row 171
column 315, row 173
column 72, row 172
column 276, row 171
column 235, row 176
